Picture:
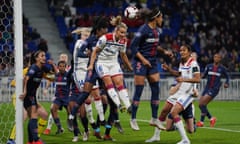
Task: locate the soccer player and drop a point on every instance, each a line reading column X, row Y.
column 105, row 57
column 42, row 121
column 107, row 66
column 214, row 73
column 62, row 57
column 186, row 114
column 188, row 75
column 99, row 28
column 80, row 59
column 31, row 82
column 144, row 46
column 62, row 81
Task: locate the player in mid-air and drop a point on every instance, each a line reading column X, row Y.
column 145, row 46
column 99, row 28
column 105, row 58
column 31, row 83
column 214, row 73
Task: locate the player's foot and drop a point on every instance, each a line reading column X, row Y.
column 155, row 122
column 119, row 127
column 70, row 126
column 122, row 108
column 153, row 139
column 134, row 125
column 47, row 131
column 129, row 110
column 184, row 141
column 38, row 142
column 97, row 135
column 199, row 124
column 85, row 136
column 10, row 141
column 60, row 131
column 75, row 139
column 108, row 138
column 212, row 121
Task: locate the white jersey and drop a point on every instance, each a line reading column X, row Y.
column 110, row 48
column 188, row 69
column 80, row 63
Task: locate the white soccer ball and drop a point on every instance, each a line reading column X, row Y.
column 131, row 12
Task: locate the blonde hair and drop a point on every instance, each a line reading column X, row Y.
column 82, row 30
column 117, row 22
column 63, row 57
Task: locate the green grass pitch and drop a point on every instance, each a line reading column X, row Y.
column 226, row 130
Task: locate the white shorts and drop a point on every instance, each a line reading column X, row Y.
column 185, row 99
column 79, row 78
column 172, row 99
column 108, row 69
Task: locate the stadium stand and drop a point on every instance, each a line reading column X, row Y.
column 208, row 26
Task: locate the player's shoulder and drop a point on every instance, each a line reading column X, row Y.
column 109, row 36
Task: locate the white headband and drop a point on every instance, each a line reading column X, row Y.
column 156, row 15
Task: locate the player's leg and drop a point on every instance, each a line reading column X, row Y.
column 54, row 110
column 203, row 102
column 80, row 100
column 72, row 102
column 42, row 121
column 163, row 115
column 153, row 80
column 88, row 108
column 177, row 108
column 98, row 105
column 139, row 85
column 110, row 120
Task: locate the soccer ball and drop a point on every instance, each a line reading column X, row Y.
column 131, row 12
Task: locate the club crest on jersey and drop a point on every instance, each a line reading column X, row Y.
column 152, row 40
column 31, row 71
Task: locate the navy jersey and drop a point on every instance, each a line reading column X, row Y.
column 214, row 74
column 146, row 41
column 89, row 44
column 35, row 75
column 62, row 81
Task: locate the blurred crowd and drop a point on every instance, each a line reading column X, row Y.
column 208, row 26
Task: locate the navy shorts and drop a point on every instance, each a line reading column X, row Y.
column 188, row 112
column 140, row 69
column 73, row 97
column 92, row 77
column 29, row 101
column 61, row 102
column 210, row 91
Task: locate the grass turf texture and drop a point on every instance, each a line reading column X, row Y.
column 226, row 130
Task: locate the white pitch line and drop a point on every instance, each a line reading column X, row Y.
column 211, row 128
column 221, row 129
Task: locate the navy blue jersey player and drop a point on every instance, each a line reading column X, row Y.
column 31, row 83
column 213, row 72
column 61, row 99
column 145, row 46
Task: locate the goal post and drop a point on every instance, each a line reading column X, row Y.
column 18, row 44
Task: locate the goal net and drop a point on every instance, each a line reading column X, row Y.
column 11, row 59
column 7, row 110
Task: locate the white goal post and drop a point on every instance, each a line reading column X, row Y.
column 18, row 44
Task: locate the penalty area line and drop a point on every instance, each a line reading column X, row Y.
column 220, row 129
column 211, row 128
